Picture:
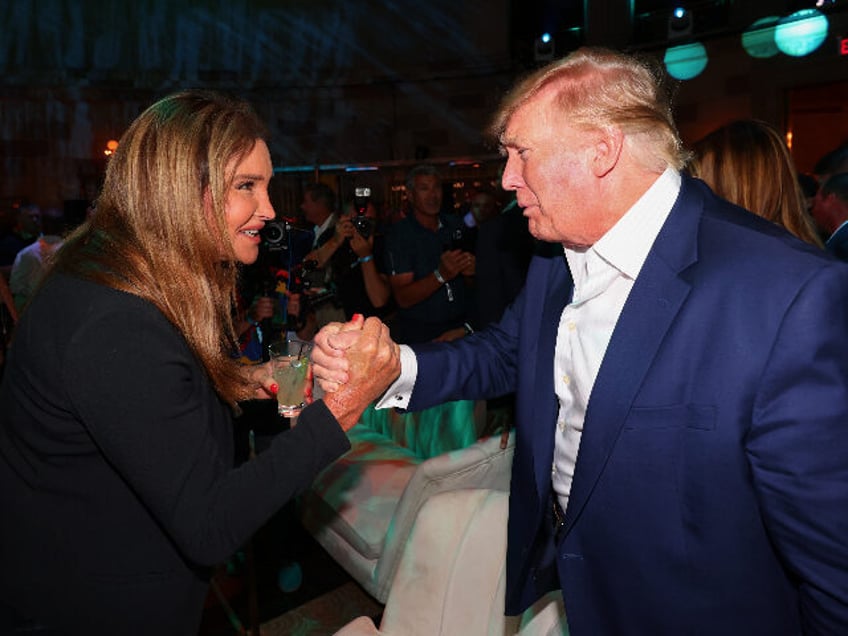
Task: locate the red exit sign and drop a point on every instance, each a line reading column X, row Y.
column 843, row 46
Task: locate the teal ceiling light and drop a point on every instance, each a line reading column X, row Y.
column 758, row 39
column 686, row 61
column 801, row 33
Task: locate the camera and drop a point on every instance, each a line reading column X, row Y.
column 462, row 240
column 360, row 221
column 275, row 235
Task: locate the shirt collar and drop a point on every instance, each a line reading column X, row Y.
column 626, row 244
column 319, row 229
column 418, row 223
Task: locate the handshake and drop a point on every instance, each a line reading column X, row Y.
column 354, row 363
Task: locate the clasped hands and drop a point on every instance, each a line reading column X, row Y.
column 354, row 363
column 455, row 262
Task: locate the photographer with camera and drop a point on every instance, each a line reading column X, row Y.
column 354, row 256
column 431, row 267
column 318, row 290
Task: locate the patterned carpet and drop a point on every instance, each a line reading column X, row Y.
column 324, row 615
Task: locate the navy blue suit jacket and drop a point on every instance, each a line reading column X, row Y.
column 710, row 494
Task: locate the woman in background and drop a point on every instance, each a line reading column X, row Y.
column 116, row 446
column 748, row 163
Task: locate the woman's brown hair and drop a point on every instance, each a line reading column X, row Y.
column 748, row 163
column 159, row 228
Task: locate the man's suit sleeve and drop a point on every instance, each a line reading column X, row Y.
column 479, row 366
column 798, row 448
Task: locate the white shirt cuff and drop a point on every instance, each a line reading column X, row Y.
column 399, row 393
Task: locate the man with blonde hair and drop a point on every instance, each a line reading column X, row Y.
column 681, row 372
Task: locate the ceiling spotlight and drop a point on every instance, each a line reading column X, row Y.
column 679, row 23
column 544, row 48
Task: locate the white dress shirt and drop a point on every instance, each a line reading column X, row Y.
column 319, row 229
column 603, row 277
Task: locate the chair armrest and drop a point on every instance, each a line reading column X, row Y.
column 361, row 626
column 483, row 465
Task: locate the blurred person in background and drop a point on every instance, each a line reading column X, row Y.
column 832, row 162
column 430, row 268
column 355, row 256
column 748, row 163
column 31, row 262
column 830, row 210
column 26, row 230
column 8, row 318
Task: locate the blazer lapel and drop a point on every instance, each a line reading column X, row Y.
column 654, row 301
column 545, row 404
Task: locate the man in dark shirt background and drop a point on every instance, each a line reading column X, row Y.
column 429, row 274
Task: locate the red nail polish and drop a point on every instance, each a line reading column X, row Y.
column 358, row 317
column 274, row 388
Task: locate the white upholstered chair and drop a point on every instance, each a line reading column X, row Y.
column 450, row 580
column 361, row 508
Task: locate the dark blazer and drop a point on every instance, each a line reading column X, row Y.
column 119, row 491
column 711, row 484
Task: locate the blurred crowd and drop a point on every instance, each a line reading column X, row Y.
column 436, row 270
column 161, row 306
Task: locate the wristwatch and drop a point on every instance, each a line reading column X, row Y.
column 439, row 276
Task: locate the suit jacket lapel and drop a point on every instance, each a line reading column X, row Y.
column 545, row 404
column 654, row 301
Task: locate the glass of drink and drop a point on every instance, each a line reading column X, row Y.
column 289, row 362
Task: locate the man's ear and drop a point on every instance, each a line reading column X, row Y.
column 608, row 146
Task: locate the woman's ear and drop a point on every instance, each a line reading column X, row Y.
column 608, row 147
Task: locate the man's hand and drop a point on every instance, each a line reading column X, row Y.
column 329, row 363
column 262, row 308
column 344, row 227
column 373, row 364
column 362, row 246
column 455, row 262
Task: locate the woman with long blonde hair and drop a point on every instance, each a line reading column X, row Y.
column 116, row 443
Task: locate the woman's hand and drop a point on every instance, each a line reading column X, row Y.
column 373, row 364
column 262, row 379
column 294, row 304
column 329, row 363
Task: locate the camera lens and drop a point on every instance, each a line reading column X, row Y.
column 273, row 233
column 363, row 225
